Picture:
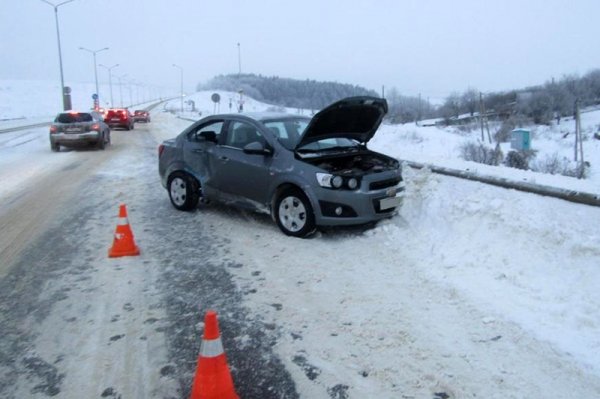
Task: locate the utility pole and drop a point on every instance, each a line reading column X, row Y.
column 578, row 140
column 419, row 112
column 483, row 119
column 575, row 113
column 382, row 91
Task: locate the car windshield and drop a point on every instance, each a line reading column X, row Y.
column 288, row 131
column 74, row 117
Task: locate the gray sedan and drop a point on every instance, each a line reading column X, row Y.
column 304, row 172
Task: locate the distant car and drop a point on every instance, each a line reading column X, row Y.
column 304, row 172
column 77, row 129
column 120, row 117
column 140, row 115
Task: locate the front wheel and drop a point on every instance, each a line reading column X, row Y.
column 294, row 214
column 183, row 191
column 101, row 143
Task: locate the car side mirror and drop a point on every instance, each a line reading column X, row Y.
column 208, row 135
column 257, row 148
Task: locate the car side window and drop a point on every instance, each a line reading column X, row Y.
column 239, row 134
column 215, row 127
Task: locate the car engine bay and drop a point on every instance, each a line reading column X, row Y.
column 355, row 164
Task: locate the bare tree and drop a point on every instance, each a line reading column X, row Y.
column 469, row 100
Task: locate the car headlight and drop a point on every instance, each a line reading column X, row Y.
column 352, row 183
column 324, row 179
column 337, row 181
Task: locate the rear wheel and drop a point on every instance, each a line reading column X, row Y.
column 184, row 191
column 55, row 147
column 294, row 214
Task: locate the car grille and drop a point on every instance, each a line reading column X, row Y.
column 378, row 185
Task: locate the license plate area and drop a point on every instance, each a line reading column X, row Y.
column 390, row 202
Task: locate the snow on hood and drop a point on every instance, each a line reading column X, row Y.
column 355, row 118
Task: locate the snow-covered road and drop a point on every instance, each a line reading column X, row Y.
column 471, row 291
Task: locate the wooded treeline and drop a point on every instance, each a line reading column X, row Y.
column 541, row 104
column 293, row 93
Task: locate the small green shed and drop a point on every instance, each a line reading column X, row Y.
column 520, row 139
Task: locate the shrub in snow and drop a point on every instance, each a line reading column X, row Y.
column 519, row 159
column 481, row 153
column 557, row 165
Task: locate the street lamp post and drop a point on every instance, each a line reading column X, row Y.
column 121, row 87
column 239, row 60
column 181, row 70
column 112, row 103
column 130, row 95
column 95, row 68
column 62, row 78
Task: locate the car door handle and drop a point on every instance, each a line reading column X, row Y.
column 224, row 158
column 198, row 150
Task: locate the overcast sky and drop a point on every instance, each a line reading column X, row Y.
column 431, row 47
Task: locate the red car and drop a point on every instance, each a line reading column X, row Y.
column 120, row 117
column 141, row 116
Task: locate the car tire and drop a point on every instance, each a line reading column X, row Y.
column 101, row 145
column 184, row 191
column 294, row 213
column 55, row 147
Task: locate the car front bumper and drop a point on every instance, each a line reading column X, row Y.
column 355, row 206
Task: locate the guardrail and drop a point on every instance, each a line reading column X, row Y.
column 579, row 197
column 23, row 127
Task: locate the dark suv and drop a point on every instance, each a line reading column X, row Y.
column 304, row 172
column 76, row 129
column 120, row 117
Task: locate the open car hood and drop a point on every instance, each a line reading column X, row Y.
column 355, row 118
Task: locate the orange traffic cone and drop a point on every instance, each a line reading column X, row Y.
column 123, row 243
column 213, row 379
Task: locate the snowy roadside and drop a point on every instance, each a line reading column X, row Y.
column 486, row 239
column 447, row 297
column 441, row 147
column 470, row 290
